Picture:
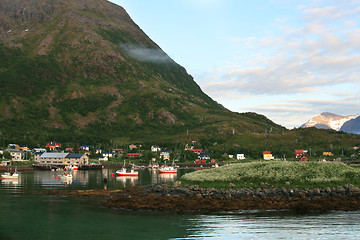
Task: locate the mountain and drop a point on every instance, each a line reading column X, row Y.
column 327, row 120
column 81, row 71
column 352, row 126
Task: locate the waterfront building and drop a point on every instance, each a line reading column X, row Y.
column 77, row 159
column 52, row 158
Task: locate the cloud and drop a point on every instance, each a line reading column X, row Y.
column 144, row 54
column 323, row 52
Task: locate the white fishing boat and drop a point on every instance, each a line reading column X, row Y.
column 124, row 172
column 8, row 175
column 66, row 178
column 168, row 169
column 72, row 168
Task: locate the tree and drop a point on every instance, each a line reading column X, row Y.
column 7, row 155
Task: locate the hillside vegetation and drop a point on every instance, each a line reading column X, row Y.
column 277, row 173
column 84, row 72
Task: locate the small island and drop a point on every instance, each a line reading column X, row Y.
column 267, row 185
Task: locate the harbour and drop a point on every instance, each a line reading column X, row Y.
column 27, row 213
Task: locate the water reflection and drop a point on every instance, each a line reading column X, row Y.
column 167, row 177
column 127, row 181
column 10, row 182
column 89, row 179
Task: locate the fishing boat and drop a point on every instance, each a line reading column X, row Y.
column 125, row 173
column 66, row 178
column 72, row 167
column 8, row 175
column 168, row 169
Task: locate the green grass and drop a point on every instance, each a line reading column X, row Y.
column 276, row 173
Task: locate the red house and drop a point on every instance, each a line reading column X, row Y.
column 198, row 151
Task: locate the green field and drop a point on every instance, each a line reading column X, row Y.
column 276, row 174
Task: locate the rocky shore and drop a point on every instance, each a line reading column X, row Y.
column 177, row 198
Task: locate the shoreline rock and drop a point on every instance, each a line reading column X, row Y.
column 194, row 198
column 161, row 197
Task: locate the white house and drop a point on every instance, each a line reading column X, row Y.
column 240, row 156
column 155, row 149
column 16, row 154
column 108, row 154
column 165, row 155
column 103, row 159
column 39, row 150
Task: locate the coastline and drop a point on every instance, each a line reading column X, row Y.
column 195, row 199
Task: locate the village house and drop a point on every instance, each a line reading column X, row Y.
column 16, row 154
column 299, row 153
column 76, row 159
column 22, row 147
column 328, row 153
column 165, row 155
column 267, row 155
column 70, row 149
column 231, row 156
column 240, row 156
column 133, row 155
column 132, row 146
column 108, row 154
column 11, row 146
column 52, row 146
column 98, row 151
column 87, row 147
column 118, row 150
column 155, row 149
column 1, row 151
column 52, row 158
column 103, row 159
column 39, row 150
column 197, row 151
column 204, row 156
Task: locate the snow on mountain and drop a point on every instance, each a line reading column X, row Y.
column 328, row 121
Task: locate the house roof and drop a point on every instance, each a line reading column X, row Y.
column 74, row 155
column 267, row 152
column 13, row 150
column 54, row 155
column 196, row 150
column 133, row 154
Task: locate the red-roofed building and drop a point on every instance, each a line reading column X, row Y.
column 118, row 150
column 267, row 155
column 198, row 151
column 132, row 146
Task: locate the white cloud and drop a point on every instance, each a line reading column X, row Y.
column 301, row 59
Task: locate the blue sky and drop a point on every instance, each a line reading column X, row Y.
column 288, row 60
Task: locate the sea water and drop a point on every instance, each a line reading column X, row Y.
column 27, row 213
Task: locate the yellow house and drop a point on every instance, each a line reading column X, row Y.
column 267, row 155
column 328, row 153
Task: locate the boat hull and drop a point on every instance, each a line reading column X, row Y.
column 168, row 171
column 127, row 174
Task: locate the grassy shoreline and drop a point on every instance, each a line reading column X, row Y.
column 276, row 174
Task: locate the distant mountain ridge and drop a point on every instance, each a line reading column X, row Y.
column 326, row 120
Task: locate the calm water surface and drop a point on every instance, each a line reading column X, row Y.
column 25, row 213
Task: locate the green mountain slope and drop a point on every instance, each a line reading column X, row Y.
column 83, row 72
